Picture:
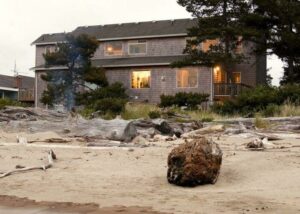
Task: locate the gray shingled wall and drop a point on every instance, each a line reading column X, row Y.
column 163, row 81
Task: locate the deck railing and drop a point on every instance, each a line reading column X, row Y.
column 229, row 89
column 26, row 95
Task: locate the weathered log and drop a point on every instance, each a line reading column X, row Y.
column 51, row 158
column 51, row 140
column 206, row 130
column 194, row 163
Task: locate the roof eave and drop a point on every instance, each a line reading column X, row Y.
column 47, row 69
column 134, row 65
column 120, row 38
column 8, row 89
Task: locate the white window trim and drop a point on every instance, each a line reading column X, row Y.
column 197, row 85
column 137, row 43
column 140, row 70
column 106, row 53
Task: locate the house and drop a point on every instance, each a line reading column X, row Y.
column 139, row 55
column 19, row 88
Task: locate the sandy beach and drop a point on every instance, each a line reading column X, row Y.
column 250, row 181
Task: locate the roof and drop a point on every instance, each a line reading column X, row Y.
column 50, row 38
column 137, row 61
column 10, row 82
column 124, row 62
column 137, row 30
column 7, row 81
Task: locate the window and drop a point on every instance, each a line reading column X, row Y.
column 140, row 79
column 187, row 78
column 114, row 49
column 137, row 48
column 208, row 43
column 219, row 76
column 239, row 45
column 236, row 77
column 51, row 49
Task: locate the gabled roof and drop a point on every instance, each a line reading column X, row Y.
column 164, row 28
column 137, row 30
column 50, row 38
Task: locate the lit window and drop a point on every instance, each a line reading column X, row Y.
column 187, row 78
column 137, row 48
column 140, row 79
column 239, row 46
column 218, row 77
column 114, row 49
column 206, row 45
column 236, row 77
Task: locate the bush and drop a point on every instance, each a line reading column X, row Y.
column 113, row 105
column 289, row 93
column 154, row 114
column 167, row 101
column 271, row 110
column 190, row 100
column 263, row 99
column 109, row 100
column 8, row 102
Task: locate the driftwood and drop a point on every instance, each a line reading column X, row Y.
column 114, row 144
column 51, row 158
column 51, row 140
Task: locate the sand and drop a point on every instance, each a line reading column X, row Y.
column 135, row 181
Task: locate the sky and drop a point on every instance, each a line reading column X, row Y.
column 22, row 21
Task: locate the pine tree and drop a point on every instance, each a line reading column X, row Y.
column 283, row 25
column 75, row 55
column 218, row 20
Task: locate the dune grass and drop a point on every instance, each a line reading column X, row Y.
column 138, row 110
column 288, row 110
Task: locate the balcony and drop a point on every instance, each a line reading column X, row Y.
column 26, row 95
column 229, row 89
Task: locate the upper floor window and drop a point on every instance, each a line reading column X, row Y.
column 140, row 79
column 51, row 49
column 207, row 44
column 187, row 78
column 137, row 48
column 239, row 45
column 113, row 49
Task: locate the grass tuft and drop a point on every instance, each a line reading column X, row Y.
column 260, row 123
column 138, row 110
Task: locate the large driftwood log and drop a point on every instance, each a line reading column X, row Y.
column 51, row 158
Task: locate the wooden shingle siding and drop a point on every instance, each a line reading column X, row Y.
column 155, row 47
column 163, row 81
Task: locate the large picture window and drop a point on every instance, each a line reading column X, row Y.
column 114, row 49
column 137, row 48
column 187, row 78
column 140, row 79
